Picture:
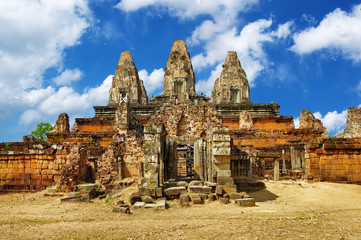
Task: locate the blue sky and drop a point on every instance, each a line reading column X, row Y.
column 59, row 56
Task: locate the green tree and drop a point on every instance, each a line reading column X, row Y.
column 40, row 132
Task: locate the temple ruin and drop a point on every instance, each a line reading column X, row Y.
column 225, row 140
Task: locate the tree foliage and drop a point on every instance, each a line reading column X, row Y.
column 40, row 132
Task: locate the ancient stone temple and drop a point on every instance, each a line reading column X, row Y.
column 232, row 86
column 225, row 141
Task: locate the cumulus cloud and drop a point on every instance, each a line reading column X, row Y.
column 219, row 33
column 46, row 101
column 153, row 82
column 339, row 30
column 190, row 8
column 206, row 86
column 248, row 43
column 68, row 76
column 34, row 35
column 296, row 122
column 334, row 122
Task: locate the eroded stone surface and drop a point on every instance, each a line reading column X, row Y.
column 353, row 124
column 308, row 121
column 232, row 86
column 245, row 120
column 126, row 85
column 62, row 124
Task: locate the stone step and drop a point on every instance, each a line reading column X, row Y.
column 175, row 191
column 200, row 189
column 245, row 202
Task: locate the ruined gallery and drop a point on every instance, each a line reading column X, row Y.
column 225, row 140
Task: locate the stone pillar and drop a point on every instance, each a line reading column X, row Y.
column 221, row 158
column 298, row 159
column 153, row 160
column 303, row 160
column 122, row 118
column 276, row 169
column 284, row 169
column 199, row 159
column 293, row 160
column 119, row 160
column 249, row 173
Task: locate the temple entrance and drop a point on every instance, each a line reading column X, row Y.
column 185, row 161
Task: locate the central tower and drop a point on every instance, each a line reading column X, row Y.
column 179, row 77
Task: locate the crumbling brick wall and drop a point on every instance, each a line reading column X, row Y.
column 30, row 166
column 334, row 160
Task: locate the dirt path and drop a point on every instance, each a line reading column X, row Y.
column 283, row 211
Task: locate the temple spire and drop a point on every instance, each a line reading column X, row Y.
column 232, row 86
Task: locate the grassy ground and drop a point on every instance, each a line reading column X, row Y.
column 283, row 211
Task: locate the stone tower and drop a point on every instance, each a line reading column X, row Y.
column 179, row 80
column 232, row 86
column 126, row 83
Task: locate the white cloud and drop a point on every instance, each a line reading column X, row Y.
column 30, row 116
column 34, row 35
column 152, row 82
column 68, row 76
column 190, row 8
column 334, row 122
column 206, row 86
column 207, row 30
column 296, row 122
column 283, row 30
column 311, row 20
column 219, row 33
column 339, row 30
column 47, row 105
column 35, row 96
column 248, row 43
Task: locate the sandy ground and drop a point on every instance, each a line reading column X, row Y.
column 283, row 211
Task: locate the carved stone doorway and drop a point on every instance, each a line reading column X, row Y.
column 185, row 161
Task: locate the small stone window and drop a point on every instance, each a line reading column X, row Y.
column 178, row 85
column 235, row 94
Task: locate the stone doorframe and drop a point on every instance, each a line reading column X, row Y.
column 212, row 157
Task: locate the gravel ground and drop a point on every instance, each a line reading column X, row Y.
column 284, row 210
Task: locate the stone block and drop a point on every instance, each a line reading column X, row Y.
column 204, row 196
column 121, row 210
column 221, row 138
column 225, row 181
column 210, row 184
column 134, row 198
column 161, row 204
column 219, row 190
column 182, row 184
column 212, row 197
column 138, row 205
column 245, row 202
column 184, row 197
column 235, row 195
column 200, row 189
column 196, row 183
column 196, row 199
column 224, row 173
column 221, row 151
column 76, row 198
column 230, row 188
column 146, row 199
column 159, row 192
column 175, row 191
column 224, row 200
column 221, row 144
column 147, row 191
column 149, row 205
